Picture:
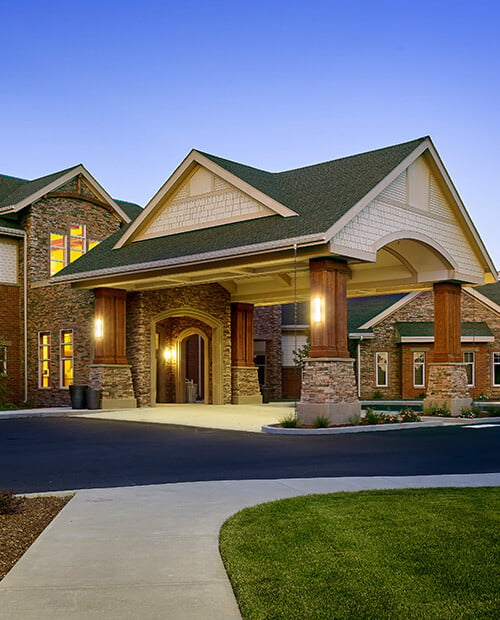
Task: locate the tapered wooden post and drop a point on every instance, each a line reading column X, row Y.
column 447, row 322
column 110, row 323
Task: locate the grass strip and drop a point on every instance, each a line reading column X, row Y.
column 412, row 553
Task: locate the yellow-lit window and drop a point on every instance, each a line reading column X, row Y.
column 44, row 359
column 77, row 241
column 66, row 357
column 57, row 252
column 93, row 243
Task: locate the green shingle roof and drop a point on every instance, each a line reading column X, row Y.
column 425, row 329
column 491, row 291
column 319, row 194
column 22, row 188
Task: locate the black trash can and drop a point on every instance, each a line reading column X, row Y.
column 78, row 395
column 93, row 399
column 266, row 394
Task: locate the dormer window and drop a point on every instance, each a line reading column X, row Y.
column 65, row 248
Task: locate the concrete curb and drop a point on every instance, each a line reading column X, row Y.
column 274, row 430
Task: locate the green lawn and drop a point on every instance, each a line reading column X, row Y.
column 413, row 553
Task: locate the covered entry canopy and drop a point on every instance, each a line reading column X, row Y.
column 392, row 214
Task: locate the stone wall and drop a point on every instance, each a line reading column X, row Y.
column 328, row 380
column 53, row 307
column 267, row 326
column 143, row 307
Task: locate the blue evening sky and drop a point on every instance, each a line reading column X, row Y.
column 129, row 87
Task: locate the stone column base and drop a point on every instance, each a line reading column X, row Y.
column 329, row 390
column 337, row 413
column 115, row 382
column 447, row 387
column 245, row 386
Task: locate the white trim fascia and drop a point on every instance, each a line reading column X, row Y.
column 14, row 232
column 388, row 311
column 483, row 299
column 195, row 157
column 195, row 259
column 375, row 191
column 467, row 339
column 50, row 187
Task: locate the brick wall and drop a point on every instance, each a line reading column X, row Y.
column 11, row 337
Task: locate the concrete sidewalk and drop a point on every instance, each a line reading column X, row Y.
column 152, row 551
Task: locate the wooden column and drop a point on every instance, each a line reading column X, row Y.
column 242, row 334
column 110, row 309
column 447, row 322
column 328, row 279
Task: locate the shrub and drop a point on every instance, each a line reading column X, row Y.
column 470, row 412
column 10, row 503
column 377, row 395
column 408, row 415
column 482, row 396
column 375, row 418
column 289, row 421
column 321, row 422
column 492, row 412
column 442, row 412
column 355, row 420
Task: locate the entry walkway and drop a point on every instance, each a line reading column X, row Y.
column 151, row 552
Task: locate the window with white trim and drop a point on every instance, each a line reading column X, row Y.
column 381, row 369
column 3, row 360
column 496, row 368
column 65, row 248
column 44, row 359
column 66, row 357
column 419, row 369
column 469, row 361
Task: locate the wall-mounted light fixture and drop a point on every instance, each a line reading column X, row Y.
column 99, row 328
column 169, row 354
column 316, row 310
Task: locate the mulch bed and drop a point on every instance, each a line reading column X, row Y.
column 19, row 530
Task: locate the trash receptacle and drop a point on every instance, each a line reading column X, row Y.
column 266, row 394
column 93, row 399
column 78, row 395
column 191, row 389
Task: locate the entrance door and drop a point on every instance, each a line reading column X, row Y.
column 193, row 354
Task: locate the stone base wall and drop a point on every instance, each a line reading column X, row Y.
column 115, row 383
column 245, row 385
column 328, row 389
column 447, row 387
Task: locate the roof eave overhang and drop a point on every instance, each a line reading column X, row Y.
column 430, row 339
column 59, row 182
column 193, row 159
column 12, row 232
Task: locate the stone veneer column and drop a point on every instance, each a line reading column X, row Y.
column 244, row 373
column 110, row 371
column 447, row 379
column 328, row 381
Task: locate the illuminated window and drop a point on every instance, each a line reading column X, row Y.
column 418, row 369
column 44, row 359
column 57, row 252
column 77, row 241
column 3, row 360
column 469, row 367
column 61, row 255
column 496, row 368
column 66, row 357
column 382, row 366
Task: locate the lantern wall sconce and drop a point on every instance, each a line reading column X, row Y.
column 317, row 310
column 99, row 328
column 169, row 355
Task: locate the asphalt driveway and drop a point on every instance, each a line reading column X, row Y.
column 48, row 454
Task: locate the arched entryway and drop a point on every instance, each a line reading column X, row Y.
column 188, row 348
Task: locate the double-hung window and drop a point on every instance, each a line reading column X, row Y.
column 418, row 369
column 469, row 359
column 44, row 359
column 382, row 369
column 66, row 357
column 496, row 368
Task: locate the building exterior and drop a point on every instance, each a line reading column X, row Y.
column 45, row 328
column 171, row 295
column 391, row 337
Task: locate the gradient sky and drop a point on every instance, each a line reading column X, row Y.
column 129, row 87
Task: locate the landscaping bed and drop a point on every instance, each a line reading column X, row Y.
column 19, row 529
